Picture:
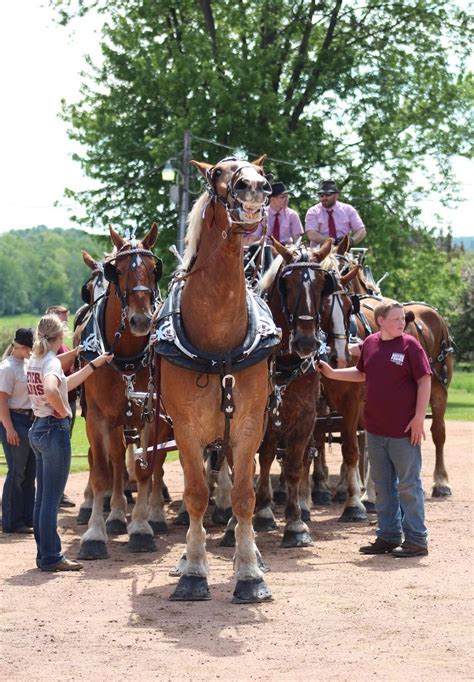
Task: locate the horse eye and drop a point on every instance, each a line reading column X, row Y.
column 217, row 172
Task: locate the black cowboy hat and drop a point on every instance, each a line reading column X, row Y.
column 24, row 337
column 328, row 187
column 279, row 188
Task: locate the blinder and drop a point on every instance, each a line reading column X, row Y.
column 355, row 304
column 85, row 293
column 111, row 272
column 330, row 283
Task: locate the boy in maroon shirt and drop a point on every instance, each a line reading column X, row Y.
column 398, row 383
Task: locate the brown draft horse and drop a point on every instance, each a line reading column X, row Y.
column 127, row 317
column 296, row 287
column 215, row 317
column 426, row 324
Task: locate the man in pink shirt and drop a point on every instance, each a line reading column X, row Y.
column 281, row 222
column 333, row 218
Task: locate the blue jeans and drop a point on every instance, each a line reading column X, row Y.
column 18, row 496
column 395, row 465
column 51, row 442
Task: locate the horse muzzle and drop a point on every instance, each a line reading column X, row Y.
column 304, row 345
column 140, row 324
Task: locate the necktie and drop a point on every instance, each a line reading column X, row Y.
column 331, row 225
column 276, row 227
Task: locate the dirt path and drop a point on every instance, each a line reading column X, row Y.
column 337, row 615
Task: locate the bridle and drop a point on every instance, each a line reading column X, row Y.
column 112, row 274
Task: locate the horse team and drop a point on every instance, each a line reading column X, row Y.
column 225, row 382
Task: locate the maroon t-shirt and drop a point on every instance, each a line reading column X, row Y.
column 392, row 369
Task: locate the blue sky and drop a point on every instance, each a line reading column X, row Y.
column 43, row 65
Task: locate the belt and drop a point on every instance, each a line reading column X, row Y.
column 28, row 413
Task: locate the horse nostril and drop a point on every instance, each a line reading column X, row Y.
column 241, row 185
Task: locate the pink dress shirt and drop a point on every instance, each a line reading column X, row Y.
column 346, row 219
column 290, row 225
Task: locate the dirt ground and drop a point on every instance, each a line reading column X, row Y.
column 336, row 615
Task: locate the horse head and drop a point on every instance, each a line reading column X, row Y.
column 303, row 285
column 240, row 187
column 133, row 272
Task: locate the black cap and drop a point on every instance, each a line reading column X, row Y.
column 327, row 187
column 279, row 188
column 24, row 337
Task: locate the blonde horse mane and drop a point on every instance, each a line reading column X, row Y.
column 193, row 233
column 269, row 277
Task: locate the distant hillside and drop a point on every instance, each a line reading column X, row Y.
column 468, row 242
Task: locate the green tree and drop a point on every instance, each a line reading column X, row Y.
column 361, row 91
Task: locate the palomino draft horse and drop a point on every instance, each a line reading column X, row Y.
column 210, row 306
column 124, row 320
column 296, row 287
column 427, row 326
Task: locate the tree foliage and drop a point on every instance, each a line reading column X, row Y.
column 41, row 267
column 361, row 91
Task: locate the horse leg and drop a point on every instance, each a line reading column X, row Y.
column 250, row 586
column 439, row 401
column 156, row 499
column 321, row 493
column 223, row 508
column 116, row 523
column 193, row 585
column 305, row 489
column 354, row 510
column 280, row 494
column 264, row 519
column 296, row 532
column 85, row 510
column 368, row 498
column 93, row 542
column 341, row 486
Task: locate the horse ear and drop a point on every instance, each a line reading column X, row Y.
column 202, row 167
column 324, row 251
column 282, row 250
column 116, row 238
column 260, row 161
column 150, row 237
column 343, row 245
column 88, row 260
column 345, row 279
column 409, row 317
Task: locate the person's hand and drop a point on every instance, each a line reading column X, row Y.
column 416, row 428
column 78, row 350
column 324, row 368
column 12, row 437
column 103, row 359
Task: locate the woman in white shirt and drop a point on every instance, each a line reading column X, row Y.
column 16, row 417
column 50, row 436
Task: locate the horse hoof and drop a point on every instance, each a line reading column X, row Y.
column 141, row 542
column 191, row 588
column 106, row 506
column 262, row 523
column 84, row 516
column 116, row 527
column 166, row 494
column 369, row 507
column 158, row 527
column 280, row 497
column 441, row 491
column 292, row 538
column 353, row 515
column 322, row 498
column 305, row 515
column 93, row 549
column 251, row 592
column 129, row 496
column 182, row 519
column 339, row 496
column 221, row 516
column 228, row 540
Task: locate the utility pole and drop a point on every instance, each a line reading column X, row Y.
column 184, row 203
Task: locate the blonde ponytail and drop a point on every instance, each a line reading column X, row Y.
column 8, row 351
column 47, row 331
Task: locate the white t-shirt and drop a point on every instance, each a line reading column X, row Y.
column 13, row 382
column 36, row 371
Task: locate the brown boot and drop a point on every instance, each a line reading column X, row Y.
column 63, row 565
column 408, row 549
column 380, row 546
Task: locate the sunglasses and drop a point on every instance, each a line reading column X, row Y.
column 326, row 194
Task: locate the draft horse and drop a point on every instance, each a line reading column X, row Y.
column 212, row 308
column 124, row 321
column 296, row 287
column 427, row 326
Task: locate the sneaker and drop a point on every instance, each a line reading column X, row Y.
column 66, row 501
column 380, row 546
column 63, row 565
column 408, row 549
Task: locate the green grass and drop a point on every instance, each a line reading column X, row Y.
column 461, row 397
